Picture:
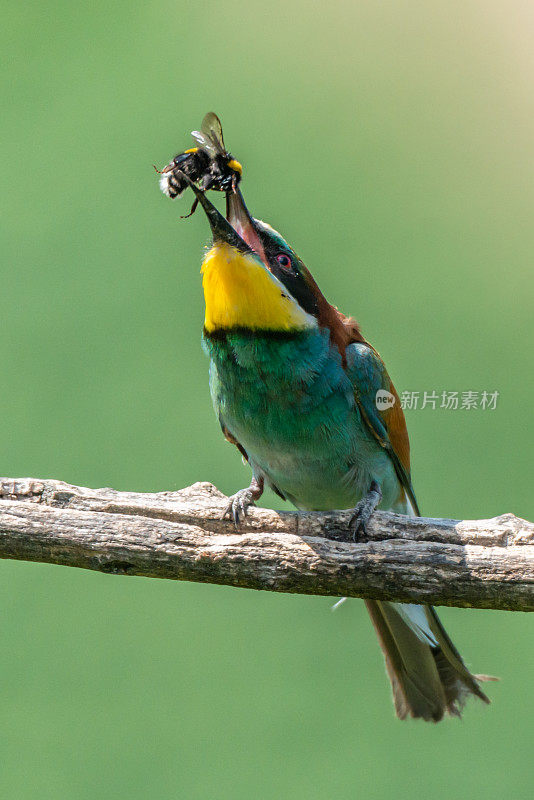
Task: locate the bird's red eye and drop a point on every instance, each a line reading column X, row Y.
column 284, row 261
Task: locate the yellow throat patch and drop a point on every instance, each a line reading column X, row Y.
column 241, row 293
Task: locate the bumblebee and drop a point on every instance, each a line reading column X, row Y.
column 209, row 164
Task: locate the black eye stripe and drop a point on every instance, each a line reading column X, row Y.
column 289, row 275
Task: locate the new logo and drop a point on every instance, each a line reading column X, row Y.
column 384, row 399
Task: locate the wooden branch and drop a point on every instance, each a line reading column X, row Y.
column 180, row 535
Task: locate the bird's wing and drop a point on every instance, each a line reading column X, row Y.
column 369, row 375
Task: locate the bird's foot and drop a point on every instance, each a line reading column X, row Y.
column 238, row 505
column 363, row 511
column 240, row 502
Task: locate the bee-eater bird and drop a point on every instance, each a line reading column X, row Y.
column 293, row 383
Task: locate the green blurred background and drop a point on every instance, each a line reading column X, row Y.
column 392, row 143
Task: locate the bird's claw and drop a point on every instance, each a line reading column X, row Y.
column 238, row 505
column 363, row 511
column 360, row 517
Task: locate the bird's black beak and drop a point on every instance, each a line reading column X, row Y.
column 221, row 229
column 243, row 222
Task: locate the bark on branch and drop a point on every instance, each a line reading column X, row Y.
column 180, row 535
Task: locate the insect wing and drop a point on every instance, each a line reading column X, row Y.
column 210, row 136
column 211, row 126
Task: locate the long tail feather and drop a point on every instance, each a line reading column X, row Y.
column 428, row 677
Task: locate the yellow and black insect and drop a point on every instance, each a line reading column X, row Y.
column 209, row 164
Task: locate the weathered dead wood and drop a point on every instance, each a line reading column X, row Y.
column 180, row 535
